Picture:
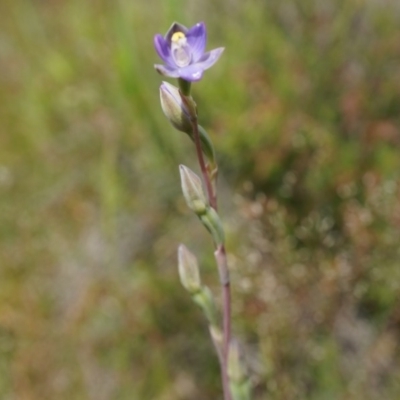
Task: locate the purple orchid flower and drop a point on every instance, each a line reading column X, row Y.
column 182, row 50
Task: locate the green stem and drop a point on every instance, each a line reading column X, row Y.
column 184, row 86
column 220, row 254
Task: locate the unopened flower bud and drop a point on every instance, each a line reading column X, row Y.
column 192, row 189
column 235, row 369
column 188, row 270
column 238, row 381
column 174, row 108
column 218, row 339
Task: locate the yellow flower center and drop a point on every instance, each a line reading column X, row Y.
column 178, row 35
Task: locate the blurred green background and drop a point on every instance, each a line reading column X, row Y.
column 304, row 111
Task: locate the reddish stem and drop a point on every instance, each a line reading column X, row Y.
column 212, row 198
column 220, row 256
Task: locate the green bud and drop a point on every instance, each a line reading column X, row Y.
column 188, row 270
column 175, row 108
column 238, row 381
column 218, row 339
column 212, row 222
column 192, row 189
column 179, row 108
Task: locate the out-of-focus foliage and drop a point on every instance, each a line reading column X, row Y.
column 304, row 111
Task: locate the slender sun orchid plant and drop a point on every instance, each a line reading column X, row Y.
column 184, row 56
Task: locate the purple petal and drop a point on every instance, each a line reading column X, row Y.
column 209, row 59
column 167, row 70
column 191, row 73
column 197, row 37
column 163, row 49
column 175, row 27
